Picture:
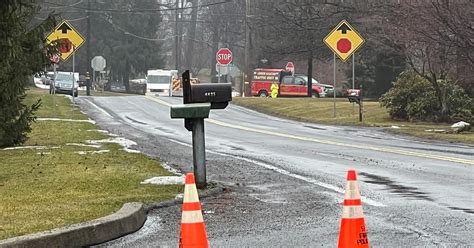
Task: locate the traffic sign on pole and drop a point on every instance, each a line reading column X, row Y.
column 224, row 56
column 68, row 37
column 290, row 67
column 98, row 63
column 344, row 40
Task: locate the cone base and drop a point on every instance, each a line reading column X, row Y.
column 193, row 235
column 353, row 233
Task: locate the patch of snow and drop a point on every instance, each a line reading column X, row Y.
column 171, row 169
column 92, row 152
column 98, row 130
column 26, row 147
column 68, row 120
column 396, row 127
column 85, row 145
column 125, row 143
column 179, row 196
column 41, row 85
column 461, row 126
column 43, row 153
column 131, row 150
column 165, row 180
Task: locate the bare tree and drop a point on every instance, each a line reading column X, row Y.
column 437, row 40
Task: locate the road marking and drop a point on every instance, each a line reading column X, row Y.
column 99, row 108
column 287, row 173
column 328, row 142
column 158, row 100
column 68, row 120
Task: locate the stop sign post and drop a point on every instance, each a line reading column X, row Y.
column 223, row 57
column 290, row 67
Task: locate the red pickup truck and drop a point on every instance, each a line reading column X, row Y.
column 289, row 86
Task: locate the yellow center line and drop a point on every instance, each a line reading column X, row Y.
column 328, row 142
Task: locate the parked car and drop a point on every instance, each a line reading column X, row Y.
column 63, row 83
column 327, row 88
column 288, row 86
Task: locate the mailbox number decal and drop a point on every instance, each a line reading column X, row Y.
column 210, row 93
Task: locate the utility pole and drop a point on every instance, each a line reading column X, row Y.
column 247, row 49
column 176, row 41
column 192, row 36
column 88, row 51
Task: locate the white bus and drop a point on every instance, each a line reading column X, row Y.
column 160, row 80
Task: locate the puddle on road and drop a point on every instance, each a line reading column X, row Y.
column 406, row 191
column 317, row 128
column 235, row 148
column 466, row 210
column 439, row 150
column 395, row 188
column 136, row 121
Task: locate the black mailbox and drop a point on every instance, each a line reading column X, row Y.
column 354, row 95
column 218, row 95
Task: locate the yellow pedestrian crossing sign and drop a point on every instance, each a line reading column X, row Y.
column 344, row 40
column 68, row 37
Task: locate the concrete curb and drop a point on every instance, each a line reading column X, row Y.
column 215, row 190
column 128, row 219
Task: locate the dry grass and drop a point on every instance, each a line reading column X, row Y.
column 320, row 110
column 47, row 188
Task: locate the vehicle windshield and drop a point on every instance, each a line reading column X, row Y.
column 153, row 79
column 314, row 81
column 63, row 77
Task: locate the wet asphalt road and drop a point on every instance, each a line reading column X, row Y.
column 285, row 179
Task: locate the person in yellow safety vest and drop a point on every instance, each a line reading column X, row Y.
column 274, row 90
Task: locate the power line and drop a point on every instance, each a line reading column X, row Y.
column 137, row 10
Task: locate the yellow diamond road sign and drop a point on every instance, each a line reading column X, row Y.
column 68, row 37
column 344, row 40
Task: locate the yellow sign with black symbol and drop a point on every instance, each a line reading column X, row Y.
column 68, row 37
column 344, row 40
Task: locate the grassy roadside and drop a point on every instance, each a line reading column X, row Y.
column 320, row 110
column 104, row 93
column 58, row 182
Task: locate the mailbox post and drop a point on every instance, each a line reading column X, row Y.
column 198, row 100
column 355, row 96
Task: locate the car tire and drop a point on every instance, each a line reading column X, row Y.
column 315, row 94
column 263, row 93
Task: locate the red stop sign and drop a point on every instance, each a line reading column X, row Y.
column 224, row 56
column 344, row 45
column 65, row 45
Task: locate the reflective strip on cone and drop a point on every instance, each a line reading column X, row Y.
column 352, row 190
column 190, row 193
column 352, row 212
column 192, row 217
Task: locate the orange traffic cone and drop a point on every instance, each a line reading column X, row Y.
column 193, row 230
column 353, row 232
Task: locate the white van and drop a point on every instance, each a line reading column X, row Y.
column 63, row 82
column 160, row 80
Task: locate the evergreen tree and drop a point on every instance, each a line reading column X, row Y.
column 23, row 53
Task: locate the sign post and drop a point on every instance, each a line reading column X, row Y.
column 69, row 41
column 98, row 63
column 343, row 40
column 223, row 57
column 290, row 67
column 73, row 71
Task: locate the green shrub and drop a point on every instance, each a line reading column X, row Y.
column 413, row 97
